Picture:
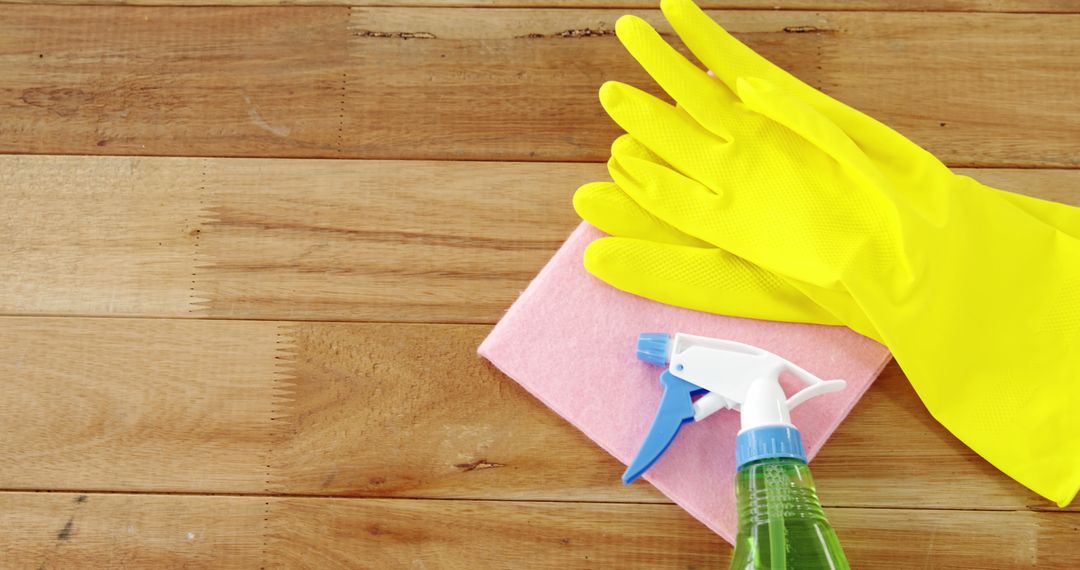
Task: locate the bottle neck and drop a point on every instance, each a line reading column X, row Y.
column 765, row 442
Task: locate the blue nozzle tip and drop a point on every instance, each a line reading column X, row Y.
column 653, row 348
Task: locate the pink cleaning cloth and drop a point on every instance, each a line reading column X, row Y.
column 570, row 339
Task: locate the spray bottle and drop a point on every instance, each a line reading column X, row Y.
column 781, row 524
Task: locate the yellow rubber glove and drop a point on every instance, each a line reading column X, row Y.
column 978, row 299
column 645, row 253
column 907, row 164
column 720, row 282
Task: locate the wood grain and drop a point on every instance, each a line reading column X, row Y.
column 62, row 530
column 496, row 84
column 393, row 241
column 140, row 531
column 161, row 81
column 298, row 239
column 411, row 411
column 1017, row 6
column 333, row 240
column 98, row 236
column 261, row 407
column 466, row 534
column 132, row 404
column 376, row 410
column 879, row 538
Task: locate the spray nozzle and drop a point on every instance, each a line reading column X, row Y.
column 726, row 375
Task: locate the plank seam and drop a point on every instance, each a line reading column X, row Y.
column 283, row 395
column 267, row 499
column 196, row 234
column 344, row 90
column 637, row 8
column 254, row 319
column 533, row 6
column 198, row 230
column 518, row 160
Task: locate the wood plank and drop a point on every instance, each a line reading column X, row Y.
column 131, row 404
column 877, row 62
column 882, row 538
column 376, row 410
column 171, row 81
column 49, row 531
column 139, row 531
column 394, row 241
column 321, row 239
column 466, row 535
column 98, row 235
column 412, row 411
column 60, row 530
column 1016, row 6
column 496, row 84
column 263, row 407
column 298, row 239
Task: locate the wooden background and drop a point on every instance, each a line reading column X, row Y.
column 248, row 253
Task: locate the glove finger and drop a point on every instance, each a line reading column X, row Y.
column 755, row 223
column 606, row 206
column 673, row 135
column 626, row 145
column 707, row 100
column 702, row 279
column 765, row 98
column 613, row 210
column 593, row 201
column 682, row 202
column 729, row 59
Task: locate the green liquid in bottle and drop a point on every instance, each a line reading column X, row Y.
column 781, row 524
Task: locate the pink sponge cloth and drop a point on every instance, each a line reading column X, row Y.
column 569, row 339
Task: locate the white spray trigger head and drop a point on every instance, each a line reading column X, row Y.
column 727, row 369
column 731, row 375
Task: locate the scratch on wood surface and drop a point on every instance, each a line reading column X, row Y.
column 68, row 530
column 478, row 465
column 258, row 121
column 807, row 30
column 573, row 33
column 396, row 35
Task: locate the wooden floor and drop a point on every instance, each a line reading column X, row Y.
column 248, row 253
